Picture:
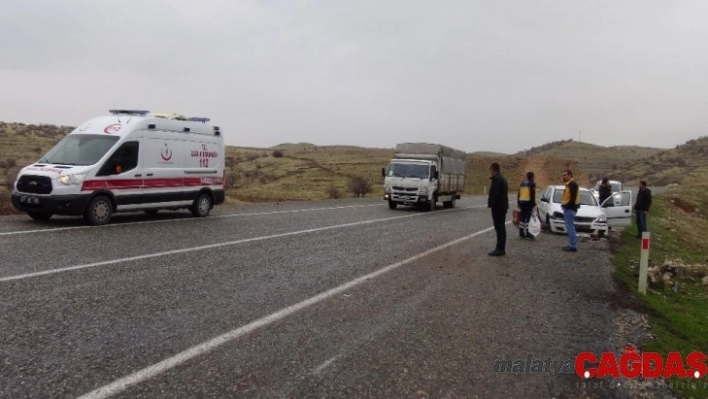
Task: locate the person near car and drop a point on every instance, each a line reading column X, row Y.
column 641, row 207
column 570, row 204
column 605, row 190
column 526, row 200
column 498, row 201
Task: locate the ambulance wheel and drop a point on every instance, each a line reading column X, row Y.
column 99, row 211
column 41, row 217
column 392, row 204
column 201, row 206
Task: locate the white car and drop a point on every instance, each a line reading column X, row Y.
column 591, row 216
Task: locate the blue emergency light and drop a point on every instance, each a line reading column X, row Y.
column 129, row 111
column 199, row 119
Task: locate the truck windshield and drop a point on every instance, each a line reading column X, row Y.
column 408, row 170
column 80, row 149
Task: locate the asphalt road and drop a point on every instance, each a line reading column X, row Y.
column 322, row 299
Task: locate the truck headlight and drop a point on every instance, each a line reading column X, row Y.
column 423, row 191
column 601, row 219
column 387, row 189
column 71, row 180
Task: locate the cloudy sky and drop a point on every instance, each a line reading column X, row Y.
column 496, row 75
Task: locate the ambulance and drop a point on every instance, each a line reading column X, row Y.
column 128, row 160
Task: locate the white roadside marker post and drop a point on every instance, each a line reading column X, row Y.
column 644, row 263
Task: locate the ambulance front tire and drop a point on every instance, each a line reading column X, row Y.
column 202, row 205
column 40, row 217
column 99, row 211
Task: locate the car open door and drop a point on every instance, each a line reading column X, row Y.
column 618, row 209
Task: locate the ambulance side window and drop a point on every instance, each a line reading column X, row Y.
column 124, row 159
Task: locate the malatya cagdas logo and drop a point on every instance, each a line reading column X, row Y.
column 632, row 364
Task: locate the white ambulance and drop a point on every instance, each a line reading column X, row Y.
column 129, row 160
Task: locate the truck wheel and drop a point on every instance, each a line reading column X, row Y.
column 41, row 217
column 392, row 204
column 431, row 205
column 99, row 211
column 449, row 204
column 201, row 206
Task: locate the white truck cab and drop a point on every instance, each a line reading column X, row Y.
column 423, row 174
column 127, row 161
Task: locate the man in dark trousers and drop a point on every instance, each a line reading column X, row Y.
column 526, row 199
column 498, row 201
column 641, row 207
column 570, row 204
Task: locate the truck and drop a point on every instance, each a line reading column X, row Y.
column 129, row 160
column 422, row 174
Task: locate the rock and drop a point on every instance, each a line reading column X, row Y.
column 705, row 280
column 666, row 277
column 655, row 274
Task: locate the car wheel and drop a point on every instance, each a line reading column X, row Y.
column 99, row 211
column 41, row 217
column 202, row 205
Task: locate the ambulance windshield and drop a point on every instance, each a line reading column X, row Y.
column 80, row 149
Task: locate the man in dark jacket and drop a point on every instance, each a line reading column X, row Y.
column 498, row 201
column 526, row 200
column 641, row 207
column 570, row 204
column 605, row 191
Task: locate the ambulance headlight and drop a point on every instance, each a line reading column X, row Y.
column 71, row 180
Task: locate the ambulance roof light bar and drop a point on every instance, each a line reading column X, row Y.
column 129, row 111
column 199, row 119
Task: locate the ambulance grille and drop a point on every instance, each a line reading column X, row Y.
column 34, row 184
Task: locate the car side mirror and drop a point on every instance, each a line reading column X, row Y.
column 383, row 172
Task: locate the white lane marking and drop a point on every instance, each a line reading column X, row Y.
column 231, row 215
column 324, row 365
column 156, row 369
column 210, row 246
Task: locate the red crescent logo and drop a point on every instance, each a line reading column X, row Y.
column 166, row 153
column 114, row 128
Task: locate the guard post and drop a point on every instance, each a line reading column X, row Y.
column 644, row 263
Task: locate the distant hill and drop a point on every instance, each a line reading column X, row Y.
column 686, row 162
column 300, row 171
column 596, row 160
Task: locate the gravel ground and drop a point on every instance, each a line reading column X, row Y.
column 434, row 326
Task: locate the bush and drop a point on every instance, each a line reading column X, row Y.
column 333, row 192
column 277, row 154
column 359, row 186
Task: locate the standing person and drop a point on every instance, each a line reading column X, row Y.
column 641, row 207
column 605, row 190
column 498, row 201
column 526, row 199
column 570, row 204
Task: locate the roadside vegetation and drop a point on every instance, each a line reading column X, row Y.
column 677, row 295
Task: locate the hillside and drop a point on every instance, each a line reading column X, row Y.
column 285, row 172
column 685, row 163
column 597, row 161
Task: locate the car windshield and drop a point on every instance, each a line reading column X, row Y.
column 409, row 170
column 80, row 149
column 585, row 197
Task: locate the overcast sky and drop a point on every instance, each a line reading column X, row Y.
column 476, row 75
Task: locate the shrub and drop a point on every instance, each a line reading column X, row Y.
column 359, row 186
column 333, row 192
column 277, row 154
